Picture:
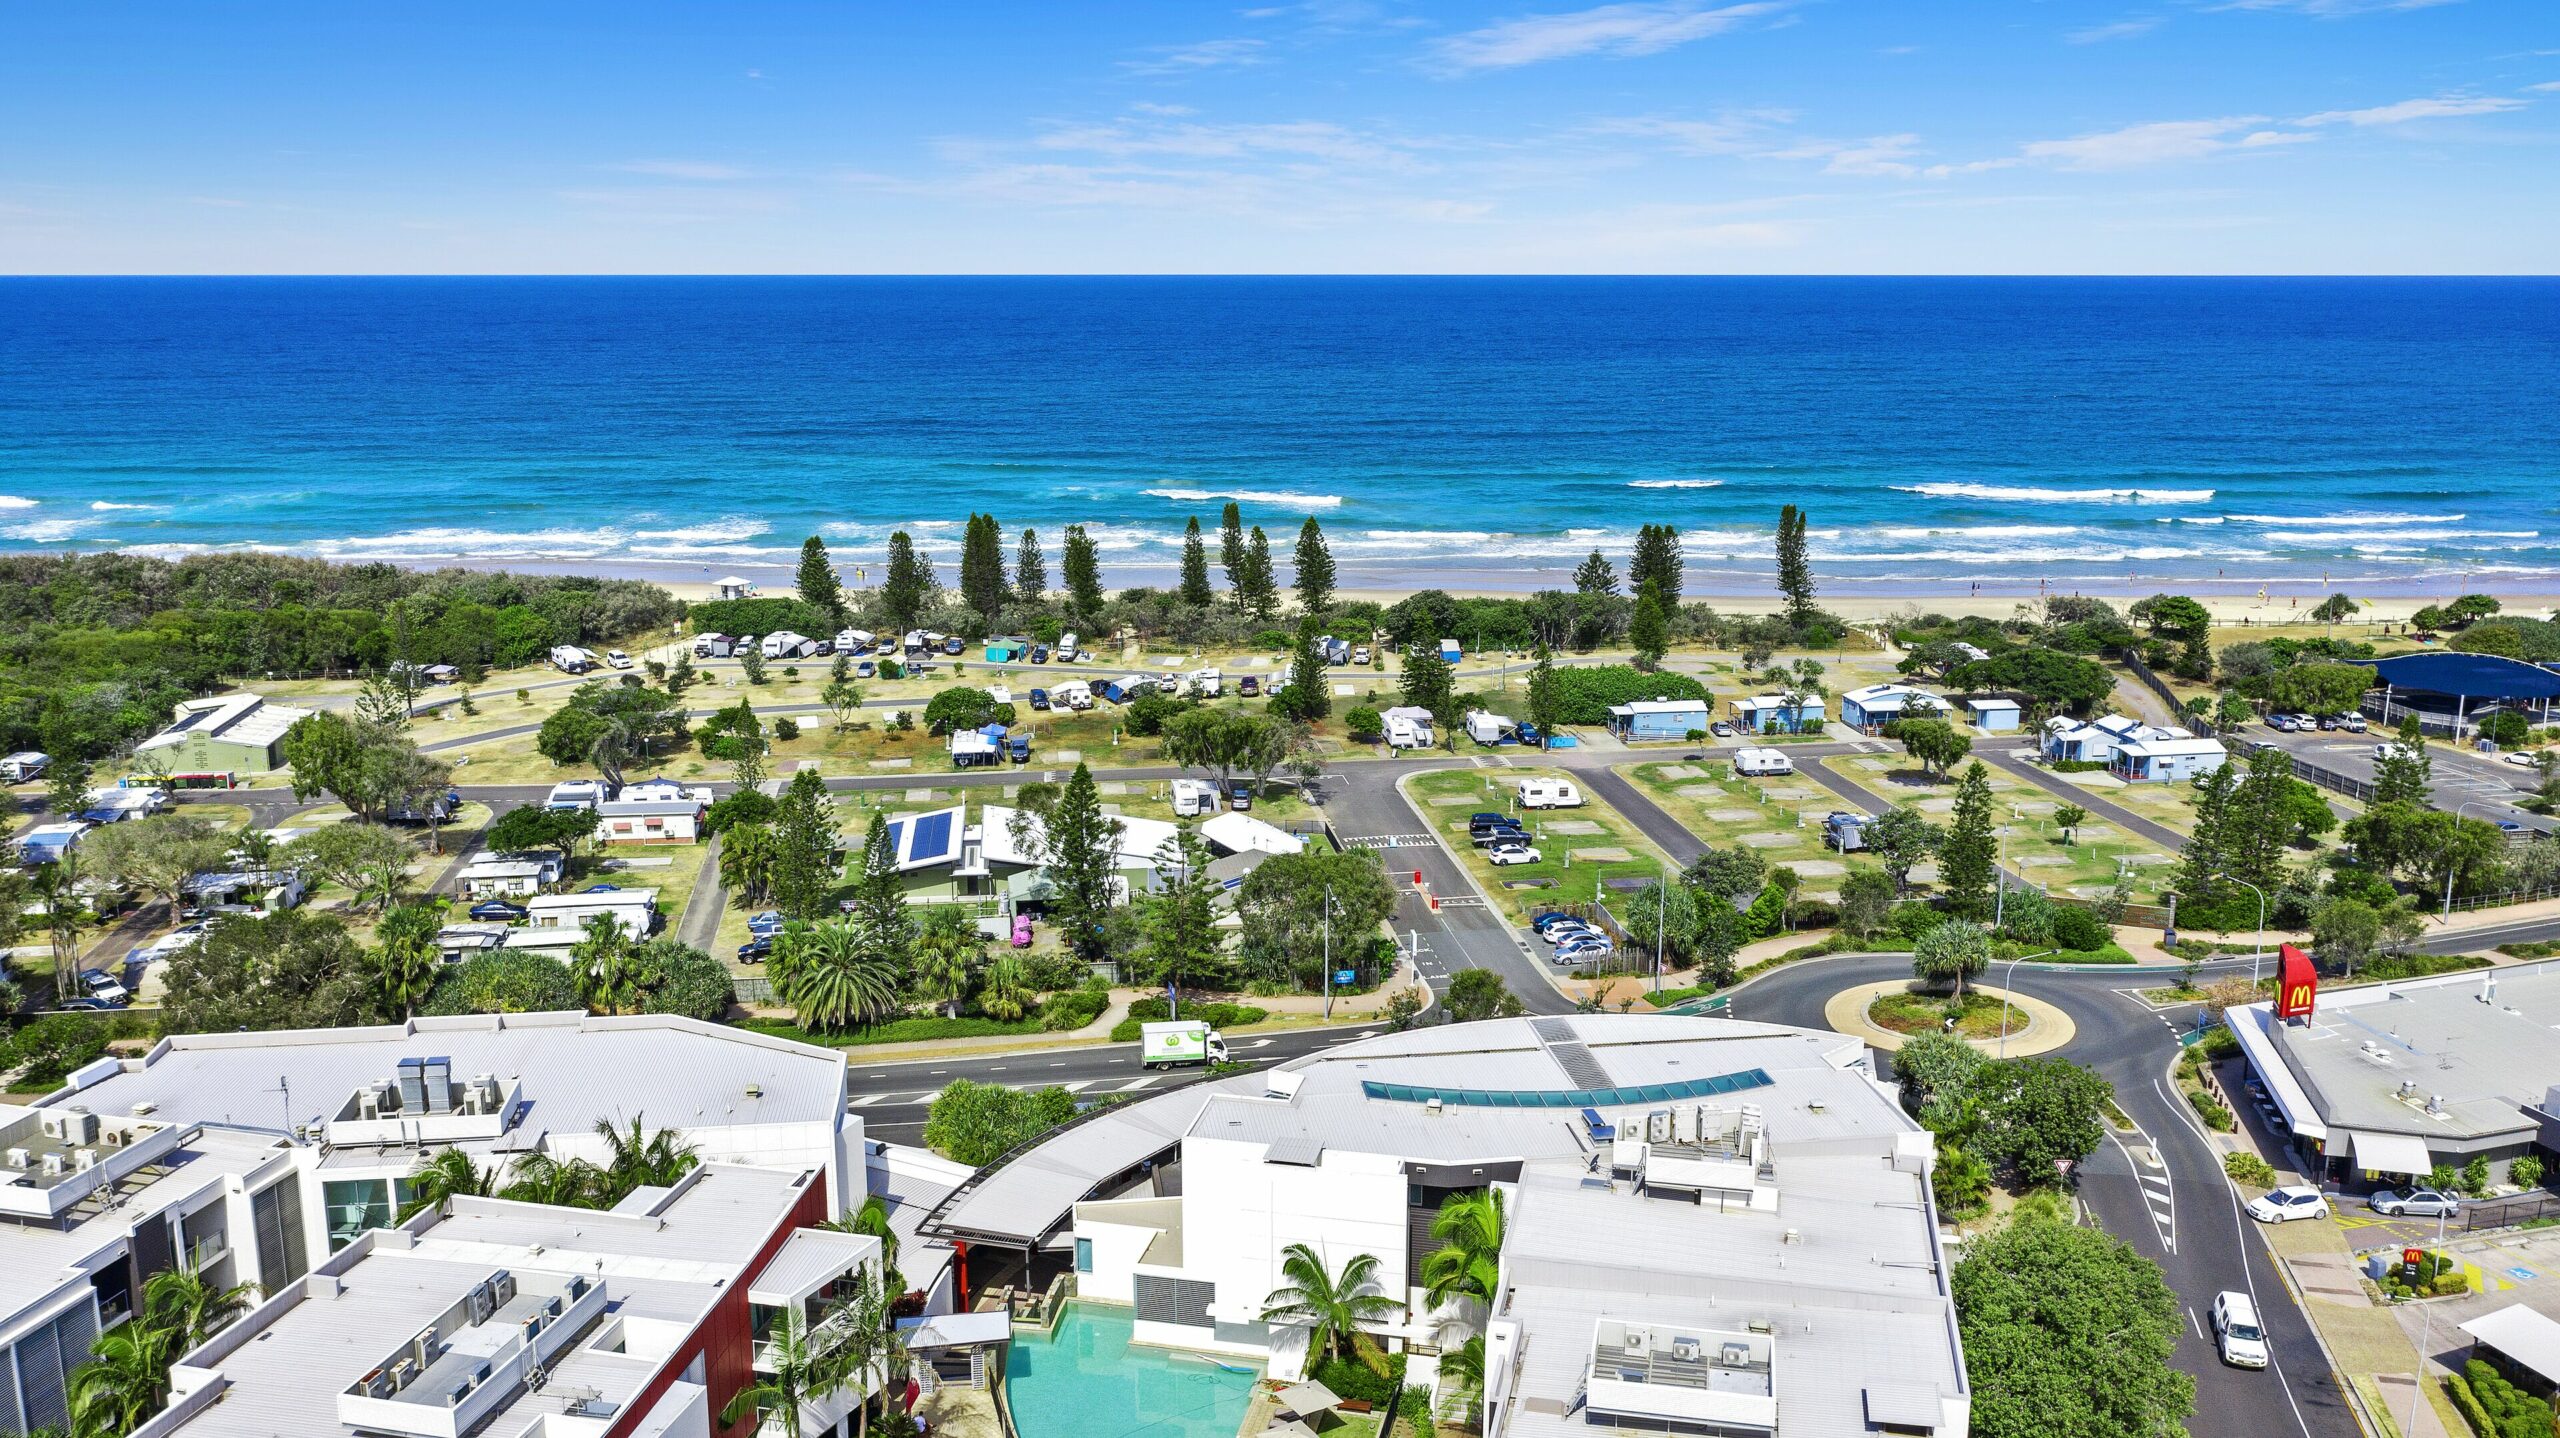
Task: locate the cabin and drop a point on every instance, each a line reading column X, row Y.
column 244, row 891
column 510, row 876
column 636, row 908
column 734, row 588
column 2163, row 760
column 1993, row 716
column 651, row 819
column 2069, row 741
column 1777, row 714
column 1654, row 720
column 1868, row 710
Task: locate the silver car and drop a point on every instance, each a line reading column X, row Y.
column 2414, row 1203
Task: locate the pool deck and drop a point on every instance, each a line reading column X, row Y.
column 961, row 1413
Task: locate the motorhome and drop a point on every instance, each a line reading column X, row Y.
column 570, row 659
column 1067, row 652
column 577, row 794
column 1758, row 762
column 1203, row 684
column 1407, row 727
column 1194, row 797
column 1550, row 794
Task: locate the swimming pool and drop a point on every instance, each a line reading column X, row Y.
column 1088, row 1382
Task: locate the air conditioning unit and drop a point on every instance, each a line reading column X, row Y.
column 502, row 1286
column 379, row 1384
column 84, row 1159
column 479, row 1305
column 20, row 1158
column 1737, row 1355
column 53, row 1166
column 369, row 1103
column 1637, row 1340
column 1685, row 1349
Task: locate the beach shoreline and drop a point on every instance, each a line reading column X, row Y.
column 1860, row 602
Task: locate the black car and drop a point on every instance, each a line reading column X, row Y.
column 498, row 910
column 1039, row 653
column 1500, row 838
column 1484, row 819
column 756, row 950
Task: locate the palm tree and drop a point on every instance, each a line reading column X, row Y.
column 832, row 978
column 450, row 1174
column 65, row 915
column 125, row 1381
column 181, row 1300
column 602, row 965
column 1468, row 1265
column 540, row 1178
column 1335, row 1310
column 872, row 1219
column 1005, row 991
column 747, row 853
column 637, row 1158
column 805, row 1369
column 1462, row 1372
column 947, row 955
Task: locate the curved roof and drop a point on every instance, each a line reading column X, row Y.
column 2475, row 676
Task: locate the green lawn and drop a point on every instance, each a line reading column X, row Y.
column 2087, row 866
column 1573, row 862
column 1779, row 818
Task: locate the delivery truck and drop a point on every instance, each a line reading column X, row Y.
column 1180, row 1041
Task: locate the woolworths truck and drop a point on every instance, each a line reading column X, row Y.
column 1183, row 1041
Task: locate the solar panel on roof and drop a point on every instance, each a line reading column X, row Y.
column 933, row 834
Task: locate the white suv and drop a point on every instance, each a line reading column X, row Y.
column 2236, row 1330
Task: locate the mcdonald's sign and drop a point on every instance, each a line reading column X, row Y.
column 2297, row 983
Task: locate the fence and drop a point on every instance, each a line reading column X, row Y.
column 2507, row 1212
column 752, row 988
column 2360, row 790
column 2203, row 727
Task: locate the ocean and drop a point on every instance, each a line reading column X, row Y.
column 2108, row 435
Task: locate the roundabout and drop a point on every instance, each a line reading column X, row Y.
column 2038, row 1028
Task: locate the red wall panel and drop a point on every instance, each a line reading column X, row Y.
column 724, row 1339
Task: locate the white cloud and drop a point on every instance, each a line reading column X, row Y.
column 1314, row 139
column 1149, row 107
column 2333, row 9
column 2437, row 108
column 681, row 169
column 1735, row 132
column 1193, row 58
column 1889, row 156
column 2546, row 86
column 2120, row 30
column 1647, row 27
column 2158, row 143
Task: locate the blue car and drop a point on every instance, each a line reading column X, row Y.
column 498, row 910
column 601, row 889
column 756, row 950
column 954, row 646
column 765, row 925
column 1039, row 698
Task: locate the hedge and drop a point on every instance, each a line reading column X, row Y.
column 1351, row 1378
column 1156, row 1011
column 1584, row 693
column 760, row 616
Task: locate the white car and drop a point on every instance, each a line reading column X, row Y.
column 2283, row 1205
column 617, row 659
column 2522, row 759
column 1515, row 854
column 2236, row 1330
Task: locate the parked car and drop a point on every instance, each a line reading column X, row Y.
column 1513, row 854
column 1483, row 819
column 2236, row 1331
column 954, row 646
column 2522, row 759
column 756, row 950
column 105, row 988
column 601, row 889
column 2414, row 1203
column 1720, row 729
column 1505, row 837
column 1040, row 699
column 1553, row 918
column 2352, row 723
column 1570, row 932
column 2284, row 1205
column 617, row 659
column 865, row 670
column 1018, row 748
column 1359, row 653
column 765, row 925
column 1039, row 653
column 1249, row 686
column 498, row 911
column 1583, row 950
column 89, row 1004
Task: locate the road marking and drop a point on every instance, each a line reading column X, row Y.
column 1390, row 841
column 2192, row 1319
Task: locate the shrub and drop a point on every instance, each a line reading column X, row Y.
column 1584, row 693
column 503, row 981
column 786, row 729
column 2509, row 1411
column 2250, row 1169
column 1363, row 724
column 747, row 806
column 2215, row 1116
column 2077, row 928
column 2525, row 1172
column 2467, row 1403
column 1071, row 1009
column 1913, row 920
column 1351, row 1378
column 1155, row 1011
column 55, row 1045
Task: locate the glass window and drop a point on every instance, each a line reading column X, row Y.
column 1084, row 1255
column 354, row 1205
column 275, row 1214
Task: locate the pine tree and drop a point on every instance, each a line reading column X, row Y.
column 1194, row 590
column 2208, row 842
column 1231, row 550
column 817, row 582
column 1546, row 695
column 1306, row 693
column 1314, row 568
column 1030, row 570
column 982, row 585
column 1596, row 604
column 1647, row 632
column 804, row 870
column 2262, row 819
column 880, row 914
column 1968, row 858
column 2404, row 775
column 1257, row 592
column 1084, row 576
column 908, row 588
column 1655, row 566
column 1428, row 681
column 1595, row 576
column 1178, row 923
column 1080, row 853
column 1795, row 567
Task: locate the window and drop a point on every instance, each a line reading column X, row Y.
column 275, row 1216
column 1084, row 1255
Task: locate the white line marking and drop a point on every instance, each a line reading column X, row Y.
column 2192, row 1319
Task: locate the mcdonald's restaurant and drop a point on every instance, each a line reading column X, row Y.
column 2380, row 1085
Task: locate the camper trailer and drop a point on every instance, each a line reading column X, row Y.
column 1408, row 727
column 1757, row 763
column 1193, row 798
column 570, row 659
column 1075, row 695
column 23, row 766
column 1203, row 684
column 1490, row 729
column 1550, row 794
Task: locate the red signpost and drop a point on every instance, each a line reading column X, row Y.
column 2297, row 983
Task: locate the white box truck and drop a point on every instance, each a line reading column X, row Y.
column 1550, row 794
column 1181, row 1041
column 1758, row 762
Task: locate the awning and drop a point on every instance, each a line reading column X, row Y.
column 2399, row 1153
column 2526, row 1337
column 1306, row 1400
column 958, row 1330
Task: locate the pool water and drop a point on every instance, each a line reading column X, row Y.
column 1088, row 1382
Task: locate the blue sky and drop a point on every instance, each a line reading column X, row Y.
column 1763, row 136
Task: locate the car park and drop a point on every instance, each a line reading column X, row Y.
column 498, row 911
column 2236, row 1330
column 1507, row 854
column 2284, row 1205
column 2414, row 1203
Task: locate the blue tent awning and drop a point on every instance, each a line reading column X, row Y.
column 2473, row 676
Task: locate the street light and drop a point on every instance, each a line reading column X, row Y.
column 2450, row 840
column 2426, row 1334
column 2006, row 975
column 2260, row 956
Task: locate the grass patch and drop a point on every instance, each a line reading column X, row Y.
column 1976, row 1016
column 909, row 1030
column 1564, row 878
column 2536, row 949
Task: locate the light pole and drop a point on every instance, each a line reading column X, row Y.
column 1661, row 922
column 2000, row 882
column 2450, row 840
column 2260, row 956
column 2426, row 1334
column 1328, row 952
column 2006, row 975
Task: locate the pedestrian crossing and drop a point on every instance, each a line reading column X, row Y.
column 1389, row 841
column 2162, row 1204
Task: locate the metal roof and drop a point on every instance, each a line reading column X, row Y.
column 2523, row 1335
column 2479, row 1044
column 2476, row 676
